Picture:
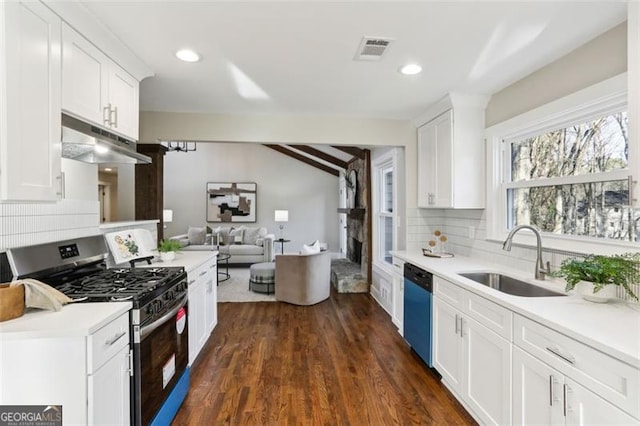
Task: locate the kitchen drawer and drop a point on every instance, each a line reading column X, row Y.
column 106, row 342
column 611, row 379
column 398, row 265
column 493, row 316
column 448, row 292
column 198, row 273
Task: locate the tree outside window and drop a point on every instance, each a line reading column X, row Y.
column 574, row 180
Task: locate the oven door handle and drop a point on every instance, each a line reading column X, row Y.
column 148, row 329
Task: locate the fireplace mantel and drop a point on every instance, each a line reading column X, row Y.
column 357, row 213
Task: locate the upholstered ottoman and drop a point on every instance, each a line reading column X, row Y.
column 262, row 277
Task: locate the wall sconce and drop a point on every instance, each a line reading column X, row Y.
column 281, row 216
column 167, row 217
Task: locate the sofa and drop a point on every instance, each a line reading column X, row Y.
column 303, row 279
column 244, row 244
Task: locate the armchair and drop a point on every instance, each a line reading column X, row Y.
column 303, row 279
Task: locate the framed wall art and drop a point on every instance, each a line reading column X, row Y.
column 231, row 201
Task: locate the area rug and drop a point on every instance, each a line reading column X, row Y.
column 236, row 288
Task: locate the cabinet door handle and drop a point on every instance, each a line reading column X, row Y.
column 565, row 389
column 461, row 327
column 62, row 191
column 106, row 115
column 115, row 339
column 456, row 324
column 551, row 397
column 191, row 282
column 130, row 356
column 556, row 352
column 114, row 112
column 203, row 273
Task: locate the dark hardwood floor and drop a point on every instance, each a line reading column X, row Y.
column 340, row 362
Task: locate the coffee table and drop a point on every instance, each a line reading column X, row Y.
column 223, row 275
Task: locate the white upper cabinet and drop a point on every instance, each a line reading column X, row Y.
column 451, row 154
column 95, row 88
column 29, row 103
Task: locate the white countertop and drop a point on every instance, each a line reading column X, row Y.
column 129, row 223
column 613, row 328
column 190, row 260
column 74, row 320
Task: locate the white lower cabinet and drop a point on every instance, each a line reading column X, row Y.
column 397, row 295
column 109, row 391
column 543, row 395
column 474, row 363
column 203, row 315
column 88, row 375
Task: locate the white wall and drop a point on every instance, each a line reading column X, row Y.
column 310, row 195
column 603, row 57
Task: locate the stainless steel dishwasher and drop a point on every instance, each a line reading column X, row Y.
column 418, row 289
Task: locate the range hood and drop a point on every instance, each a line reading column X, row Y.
column 85, row 142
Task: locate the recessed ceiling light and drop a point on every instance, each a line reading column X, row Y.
column 101, row 149
column 187, row 55
column 108, row 169
column 411, row 69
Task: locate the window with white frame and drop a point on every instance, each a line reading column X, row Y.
column 384, row 211
column 565, row 168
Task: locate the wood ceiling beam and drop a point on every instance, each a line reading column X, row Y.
column 351, row 150
column 322, row 155
column 304, row 159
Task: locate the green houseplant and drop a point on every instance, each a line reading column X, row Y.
column 595, row 274
column 168, row 249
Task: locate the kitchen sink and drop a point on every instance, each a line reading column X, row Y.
column 509, row 285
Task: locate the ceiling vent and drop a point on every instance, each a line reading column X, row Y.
column 372, row 48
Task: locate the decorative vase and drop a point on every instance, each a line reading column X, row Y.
column 606, row 293
column 167, row 256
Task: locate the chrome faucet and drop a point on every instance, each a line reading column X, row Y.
column 541, row 269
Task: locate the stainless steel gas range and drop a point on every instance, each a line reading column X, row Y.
column 158, row 319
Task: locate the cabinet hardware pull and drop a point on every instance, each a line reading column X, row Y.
column 106, row 115
column 551, row 398
column 202, row 273
column 115, row 339
column 461, row 327
column 556, row 352
column 130, row 356
column 456, row 324
column 212, row 266
column 565, row 390
column 62, row 191
column 114, row 122
column 192, row 281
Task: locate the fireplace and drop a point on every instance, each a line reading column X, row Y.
column 354, row 251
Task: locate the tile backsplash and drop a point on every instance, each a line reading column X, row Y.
column 23, row 224
column 421, row 223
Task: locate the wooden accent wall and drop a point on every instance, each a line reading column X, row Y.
column 150, row 185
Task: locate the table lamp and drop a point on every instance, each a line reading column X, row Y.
column 281, row 216
column 167, row 217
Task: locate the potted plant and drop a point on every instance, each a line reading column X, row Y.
column 168, row 249
column 596, row 277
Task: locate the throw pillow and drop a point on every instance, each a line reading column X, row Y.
column 251, row 236
column 312, row 249
column 196, row 235
column 223, row 235
column 235, row 235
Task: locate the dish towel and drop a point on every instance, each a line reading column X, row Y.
column 40, row 295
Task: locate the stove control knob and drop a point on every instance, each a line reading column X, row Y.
column 149, row 309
